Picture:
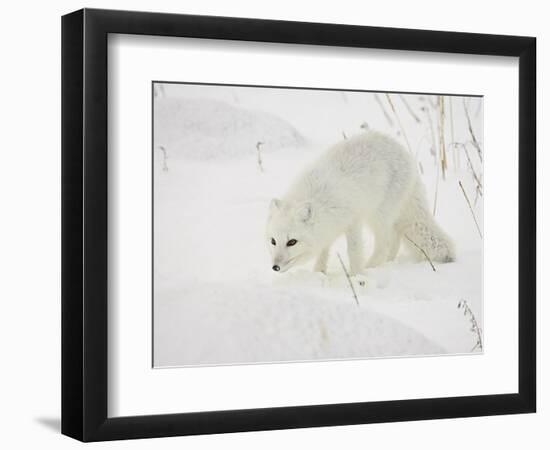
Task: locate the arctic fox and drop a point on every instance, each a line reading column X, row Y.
column 369, row 180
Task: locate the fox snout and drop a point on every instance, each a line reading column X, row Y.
column 281, row 263
column 278, row 265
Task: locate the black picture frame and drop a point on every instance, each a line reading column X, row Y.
column 84, row 224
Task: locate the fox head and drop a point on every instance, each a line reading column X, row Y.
column 289, row 234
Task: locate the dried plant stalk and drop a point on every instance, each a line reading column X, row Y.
column 478, row 192
column 471, row 209
column 386, row 115
column 434, row 152
column 259, row 153
column 422, row 250
column 432, row 133
column 436, row 191
column 349, row 279
column 475, row 176
column 463, row 304
column 164, row 158
column 442, row 152
column 471, row 130
column 477, row 179
column 409, row 109
column 399, row 122
column 456, row 156
column 478, row 109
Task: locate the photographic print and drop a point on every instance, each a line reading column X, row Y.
column 299, row 224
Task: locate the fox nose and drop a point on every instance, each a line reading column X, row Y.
column 276, row 268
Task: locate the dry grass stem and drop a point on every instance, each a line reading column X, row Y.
column 399, row 122
column 409, row 109
column 436, row 190
column 456, row 156
column 471, row 209
column 471, row 130
column 476, row 177
column 463, row 304
column 478, row 192
column 442, row 152
column 433, row 151
column 349, row 279
column 419, row 145
column 422, row 250
column 259, row 153
column 164, row 158
column 432, row 133
column 478, row 109
column 386, row 115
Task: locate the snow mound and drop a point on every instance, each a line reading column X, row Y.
column 210, row 324
column 203, row 129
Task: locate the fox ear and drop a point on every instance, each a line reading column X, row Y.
column 275, row 205
column 305, row 213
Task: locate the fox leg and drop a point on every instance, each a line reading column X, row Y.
column 395, row 243
column 381, row 246
column 354, row 238
column 322, row 261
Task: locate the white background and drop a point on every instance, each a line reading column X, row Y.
column 30, row 177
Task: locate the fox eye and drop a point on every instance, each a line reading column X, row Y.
column 291, row 242
column 273, row 242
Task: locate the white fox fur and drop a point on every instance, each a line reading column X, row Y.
column 369, row 180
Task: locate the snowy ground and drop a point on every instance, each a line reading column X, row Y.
column 216, row 299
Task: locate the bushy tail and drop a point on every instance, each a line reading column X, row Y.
column 420, row 231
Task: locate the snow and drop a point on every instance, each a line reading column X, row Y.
column 216, row 299
column 277, row 325
column 208, row 129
